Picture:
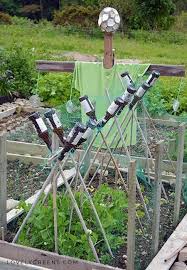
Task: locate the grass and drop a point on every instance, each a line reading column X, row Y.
column 50, row 43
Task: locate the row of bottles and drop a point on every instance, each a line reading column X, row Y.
column 80, row 133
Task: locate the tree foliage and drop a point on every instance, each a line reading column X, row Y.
column 154, row 14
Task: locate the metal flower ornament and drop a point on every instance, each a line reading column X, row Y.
column 109, row 20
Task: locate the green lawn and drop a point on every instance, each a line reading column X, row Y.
column 49, row 43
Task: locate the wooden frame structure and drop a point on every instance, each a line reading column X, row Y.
column 18, row 255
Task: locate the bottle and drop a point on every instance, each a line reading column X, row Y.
column 73, row 139
column 127, row 97
column 91, row 125
column 139, row 94
column 126, row 79
column 55, row 124
column 152, row 78
column 41, row 128
column 88, row 107
column 112, row 111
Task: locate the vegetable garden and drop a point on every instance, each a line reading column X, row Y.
column 111, row 190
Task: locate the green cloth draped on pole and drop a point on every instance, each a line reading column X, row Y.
column 92, row 79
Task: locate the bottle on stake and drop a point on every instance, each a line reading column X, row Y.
column 112, row 111
column 55, row 124
column 88, row 107
column 153, row 78
column 73, row 139
column 41, row 128
column 127, row 97
column 139, row 94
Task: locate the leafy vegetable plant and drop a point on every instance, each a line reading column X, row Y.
column 111, row 205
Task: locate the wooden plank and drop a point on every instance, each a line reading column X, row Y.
column 167, row 123
column 157, row 197
column 7, row 264
column 7, row 112
column 131, row 216
column 183, row 255
column 3, row 182
column 169, row 70
column 37, row 150
column 48, row 259
column 62, row 66
column 11, row 215
column 27, row 159
column 178, row 237
column 178, row 183
column 22, row 148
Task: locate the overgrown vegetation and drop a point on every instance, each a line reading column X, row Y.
column 54, row 88
column 17, row 71
column 111, row 205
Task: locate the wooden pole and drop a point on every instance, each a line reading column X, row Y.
column 131, row 215
column 55, row 146
column 108, row 52
column 157, row 196
column 3, row 182
column 178, row 183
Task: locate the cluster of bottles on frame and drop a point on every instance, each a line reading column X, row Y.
column 80, row 133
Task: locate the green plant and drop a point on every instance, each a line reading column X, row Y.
column 55, row 89
column 111, row 205
column 22, row 21
column 5, row 18
column 77, row 15
column 21, row 63
column 155, row 14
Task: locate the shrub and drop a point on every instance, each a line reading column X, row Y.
column 77, row 15
column 54, row 88
column 21, row 63
column 22, row 21
column 155, row 14
column 181, row 22
column 5, row 18
column 111, row 206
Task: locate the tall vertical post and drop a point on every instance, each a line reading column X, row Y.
column 131, row 215
column 157, row 196
column 179, row 169
column 3, row 182
column 108, row 52
column 55, row 146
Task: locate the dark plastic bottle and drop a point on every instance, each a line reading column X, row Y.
column 127, row 97
column 139, row 94
column 73, row 139
column 152, row 78
column 55, row 124
column 87, row 107
column 126, row 79
column 112, row 111
column 41, row 128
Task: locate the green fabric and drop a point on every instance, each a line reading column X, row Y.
column 92, row 79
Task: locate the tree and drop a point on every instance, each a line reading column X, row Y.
column 155, row 14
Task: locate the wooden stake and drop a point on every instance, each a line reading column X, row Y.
column 3, row 182
column 2, row 234
column 178, row 183
column 131, row 215
column 55, row 146
column 108, row 52
column 157, row 196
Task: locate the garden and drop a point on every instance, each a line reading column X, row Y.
column 111, row 190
